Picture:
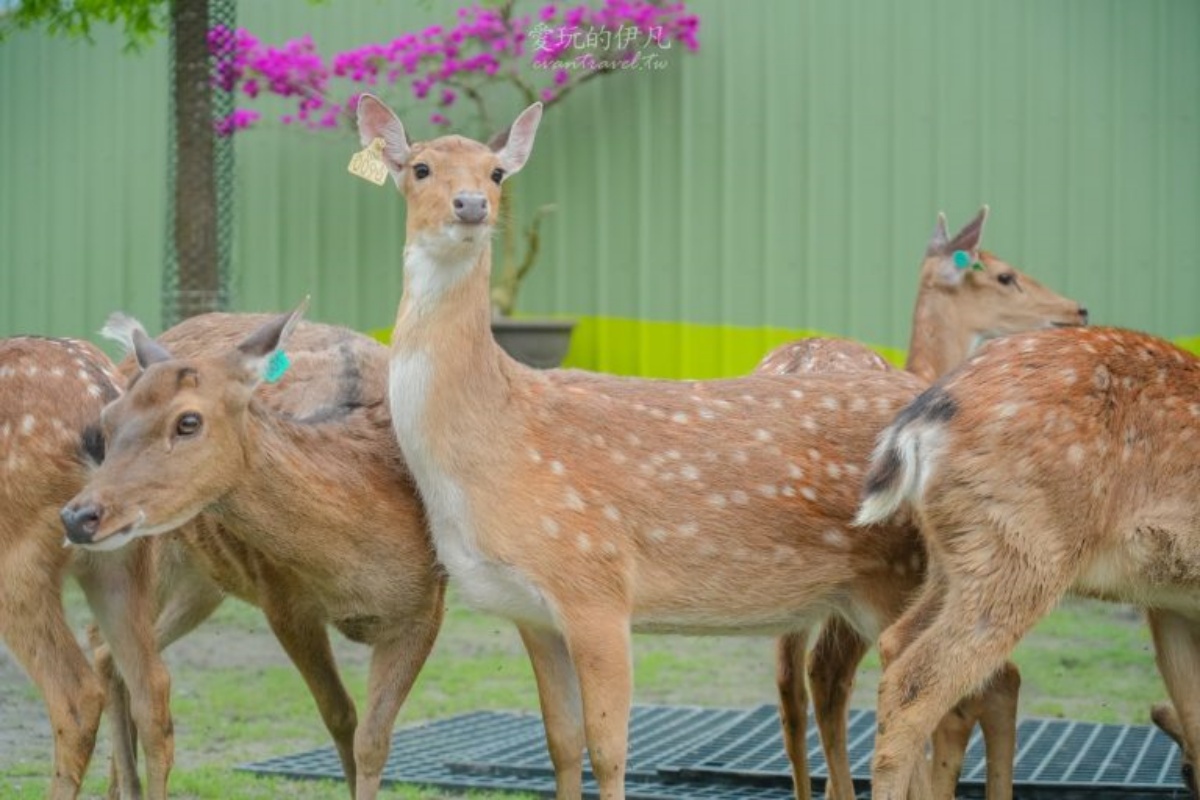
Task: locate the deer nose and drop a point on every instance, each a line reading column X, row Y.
column 81, row 521
column 470, row 207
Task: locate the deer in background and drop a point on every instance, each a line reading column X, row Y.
column 51, row 393
column 584, row 506
column 961, row 302
column 315, row 517
column 1052, row 462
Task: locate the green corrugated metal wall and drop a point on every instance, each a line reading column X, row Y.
column 786, row 176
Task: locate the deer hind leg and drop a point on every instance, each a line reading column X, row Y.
column 395, row 664
column 34, row 626
column 832, row 670
column 962, row 646
column 562, row 709
column 598, row 641
column 791, row 651
column 1177, row 651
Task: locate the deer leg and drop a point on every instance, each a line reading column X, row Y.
column 34, row 626
column 831, row 673
column 395, row 664
column 600, row 650
column 305, row 639
column 791, row 651
column 1177, row 652
column 123, row 780
column 997, row 716
column 119, row 592
column 562, row 711
column 962, row 647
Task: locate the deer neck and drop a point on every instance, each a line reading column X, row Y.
column 449, row 381
column 306, row 477
column 939, row 340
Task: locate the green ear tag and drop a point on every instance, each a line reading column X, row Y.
column 276, row 366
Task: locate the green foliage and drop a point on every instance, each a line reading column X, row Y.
column 142, row 19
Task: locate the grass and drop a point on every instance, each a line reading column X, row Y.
column 236, row 699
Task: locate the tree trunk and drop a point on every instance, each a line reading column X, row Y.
column 198, row 279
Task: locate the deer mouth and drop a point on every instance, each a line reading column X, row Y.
column 113, row 537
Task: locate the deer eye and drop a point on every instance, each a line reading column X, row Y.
column 497, row 176
column 421, row 171
column 188, row 424
column 1007, row 278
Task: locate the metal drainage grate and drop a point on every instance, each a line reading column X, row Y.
column 684, row 752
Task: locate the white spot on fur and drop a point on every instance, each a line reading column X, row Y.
column 830, row 402
column 814, row 454
column 598, row 440
column 834, row 470
column 808, row 494
column 31, row 370
column 611, row 512
column 609, row 548
column 707, row 413
column 717, row 500
column 618, row 457
column 749, row 398
column 657, row 535
column 776, row 404
column 740, row 457
column 1075, row 455
column 1008, row 410
column 93, row 390
column 573, row 500
column 680, row 417
column 688, row 529
column 768, row 490
column 689, row 472
column 674, row 455
column 535, row 456
column 858, row 405
column 27, row 424
column 57, row 372
column 5, row 372
column 550, row 527
column 763, row 435
column 633, row 440
column 557, row 467
column 739, row 497
column 788, row 491
column 584, row 541
column 883, row 405
column 796, row 393
column 795, row 472
column 834, row 538
column 83, row 375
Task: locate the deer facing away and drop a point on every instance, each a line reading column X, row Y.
column 958, row 306
column 583, row 506
column 1052, row 462
column 51, row 392
column 318, row 521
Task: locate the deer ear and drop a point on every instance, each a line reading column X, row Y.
column 968, row 238
column 939, row 239
column 129, row 333
column 377, row 121
column 261, row 353
column 516, row 143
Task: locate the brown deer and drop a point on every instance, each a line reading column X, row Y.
column 318, row 520
column 1052, row 462
column 51, row 393
column 959, row 304
column 584, row 506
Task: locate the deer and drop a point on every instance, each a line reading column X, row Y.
column 51, row 393
column 308, row 508
column 583, row 506
column 962, row 301
column 1052, row 462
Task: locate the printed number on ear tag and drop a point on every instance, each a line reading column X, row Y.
column 368, row 163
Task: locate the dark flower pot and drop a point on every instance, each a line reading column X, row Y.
column 541, row 343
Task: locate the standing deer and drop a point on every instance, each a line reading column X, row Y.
column 958, row 306
column 318, row 520
column 584, row 506
column 1052, row 462
column 51, row 393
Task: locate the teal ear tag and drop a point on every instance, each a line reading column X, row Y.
column 962, row 259
column 276, row 366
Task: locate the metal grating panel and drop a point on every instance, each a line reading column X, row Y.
column 678, row 752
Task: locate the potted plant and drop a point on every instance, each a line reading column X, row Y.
column 460, row 72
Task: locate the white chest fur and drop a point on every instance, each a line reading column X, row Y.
column 485, row 583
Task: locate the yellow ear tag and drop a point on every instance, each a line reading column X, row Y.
column 368, row 163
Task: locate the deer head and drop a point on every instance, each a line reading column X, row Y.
column 171, row 439
column 970, row 294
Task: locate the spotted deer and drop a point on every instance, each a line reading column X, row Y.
column 1052, row 462
column 584, row 506
column 51, row 393
column 960, row 303
column 316, row 518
